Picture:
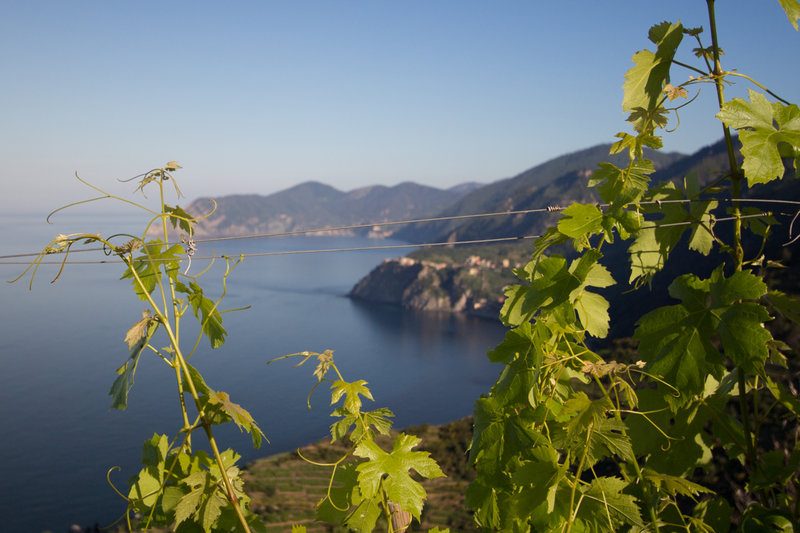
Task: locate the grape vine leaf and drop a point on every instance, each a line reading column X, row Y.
column 580, row 219
column 701, row 237
column 205, row 310
column 621, row 186
column 744, row 337
column 516, row 343
column 592, row 309
column 379, row 419
column 137, row 335
column 676, row 340
column 588, row 430
column 785, row 305
column 554, row 282
column 391, row 470
column 604, row 498
column 364, row 516
column 206, row 501
column 145, row 488
column 147, row 485
column 792, row 9
column 238, row 414
column 147, row 266
column 345, row 504
column 539, row 478
column 137, row 338
column 674, row 485
column 179, row 218
column 351, row 392
column 756, row 121
column 644, row 82
column 203, row 504
column 657, row 238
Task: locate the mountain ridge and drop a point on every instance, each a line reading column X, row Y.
column 313, row 204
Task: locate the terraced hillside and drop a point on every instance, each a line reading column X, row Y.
column 285, row 489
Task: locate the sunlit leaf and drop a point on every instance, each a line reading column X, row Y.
column 644, row 82
column 580, row 220
column 762, row 126
column 392, row 472
column 238, row 414
column 351, row 392
column 206, row 312
column 605, row 501
column 792, row 9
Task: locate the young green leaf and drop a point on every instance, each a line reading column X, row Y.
column 136, row 338
column 644, row 82
column 351, row 392
column 179, row 218
column 362, row 423
column 622, row 186
column 238, row 414
column 580, row 220
column 792, row 9
column 205, row 310
column 756, row 121
column 391, row 470
column 148, row 267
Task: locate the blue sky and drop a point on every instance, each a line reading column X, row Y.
column 254, row 97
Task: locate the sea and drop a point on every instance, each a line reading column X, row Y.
column 62, row 447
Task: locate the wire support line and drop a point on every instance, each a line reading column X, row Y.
column 548, row 209
column 356, row 248
column 381, row 224
column 325, row 229
column 287, row 252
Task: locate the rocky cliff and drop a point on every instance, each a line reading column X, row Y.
column 472, row 287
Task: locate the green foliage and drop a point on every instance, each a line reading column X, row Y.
column 177, row 486
column 566, row 441
column 360, row 492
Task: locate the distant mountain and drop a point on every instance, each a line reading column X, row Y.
column 314, row 205
column 559, row 181
column 420, row 282
column 466, row 188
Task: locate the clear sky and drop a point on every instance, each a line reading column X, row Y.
column 254, row 97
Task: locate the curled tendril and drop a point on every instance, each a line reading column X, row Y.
column 113, row 487
column 791, row 229
column 156, row 174
column 130, row 246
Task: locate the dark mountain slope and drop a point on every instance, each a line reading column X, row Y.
column 556, row 182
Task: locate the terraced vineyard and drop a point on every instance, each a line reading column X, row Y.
column 285, row 489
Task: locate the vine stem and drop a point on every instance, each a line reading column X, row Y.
column 737, row 251
column 638, row 469
column 231, row 495
column 176, row 319
column 574, row 513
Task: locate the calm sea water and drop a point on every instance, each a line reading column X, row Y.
column 60, row 345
